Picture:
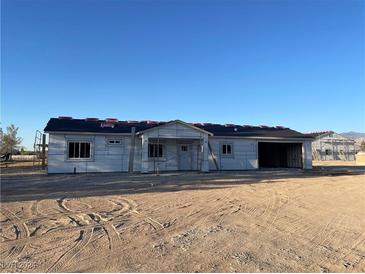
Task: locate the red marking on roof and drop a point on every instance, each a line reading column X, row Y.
column 65, row 117
column 111, row 120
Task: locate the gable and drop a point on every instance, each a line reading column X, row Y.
column 175, row 129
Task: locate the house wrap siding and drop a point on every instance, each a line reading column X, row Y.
column 115, row 158
column 104, row 157
column 244, row 155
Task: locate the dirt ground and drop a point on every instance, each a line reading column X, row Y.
column 257, row 221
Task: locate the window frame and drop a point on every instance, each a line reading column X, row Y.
column 91, row 154
column 158, row 151
column 222, row 150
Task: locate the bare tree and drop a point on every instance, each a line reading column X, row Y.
column 9, row 140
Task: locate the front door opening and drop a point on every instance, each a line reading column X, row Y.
column 185, row 162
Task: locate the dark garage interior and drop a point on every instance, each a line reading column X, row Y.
column 284, row 155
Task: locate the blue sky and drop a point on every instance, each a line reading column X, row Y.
column 295, row 63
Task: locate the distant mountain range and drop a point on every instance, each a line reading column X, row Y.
column 354, row 135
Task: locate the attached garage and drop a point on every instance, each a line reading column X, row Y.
column 284, row 155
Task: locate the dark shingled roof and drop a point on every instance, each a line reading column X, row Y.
column 81, row 125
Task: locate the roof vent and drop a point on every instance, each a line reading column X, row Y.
column 152, row 122
column 92, row 119
column 65, row 117
column 111, row 120
column 110, row 125
column 132, row 122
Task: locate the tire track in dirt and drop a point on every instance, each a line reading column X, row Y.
column 223, row 198
column 62, row 204
column 281, row 203
column 65, row 258
column 113, row 236
column 49, row 232
column 304, row 224
column 268, row 214
column 21, row 231
column 130, row 206
column 328, row 233
column 108, row 227
column 337, row 238
column 126, row 206
column 34, row 209
column 355, row 243
column 296, row 225
column 105, row 222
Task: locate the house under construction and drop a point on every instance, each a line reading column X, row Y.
column 93, row 145
column 331, row 146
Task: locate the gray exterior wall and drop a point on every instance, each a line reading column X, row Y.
column 244, row 156
column 115, row 158
column 104, row 157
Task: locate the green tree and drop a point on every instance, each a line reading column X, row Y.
column 9, row 140
column 362, row 146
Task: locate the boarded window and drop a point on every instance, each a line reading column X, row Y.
column 226, row 149
column 79, row 150
column 155, row 150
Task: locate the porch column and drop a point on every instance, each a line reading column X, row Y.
column 307, row 154
column 205, row 160
column 144, row 162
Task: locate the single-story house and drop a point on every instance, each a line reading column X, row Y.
column 93, row 145
column 331, row 146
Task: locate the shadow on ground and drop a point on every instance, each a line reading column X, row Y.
column 28, row 183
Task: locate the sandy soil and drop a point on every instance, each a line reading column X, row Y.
column 262, row 221
column 334, row 163
column 19, row 164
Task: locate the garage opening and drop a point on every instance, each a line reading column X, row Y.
column 284, row 155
